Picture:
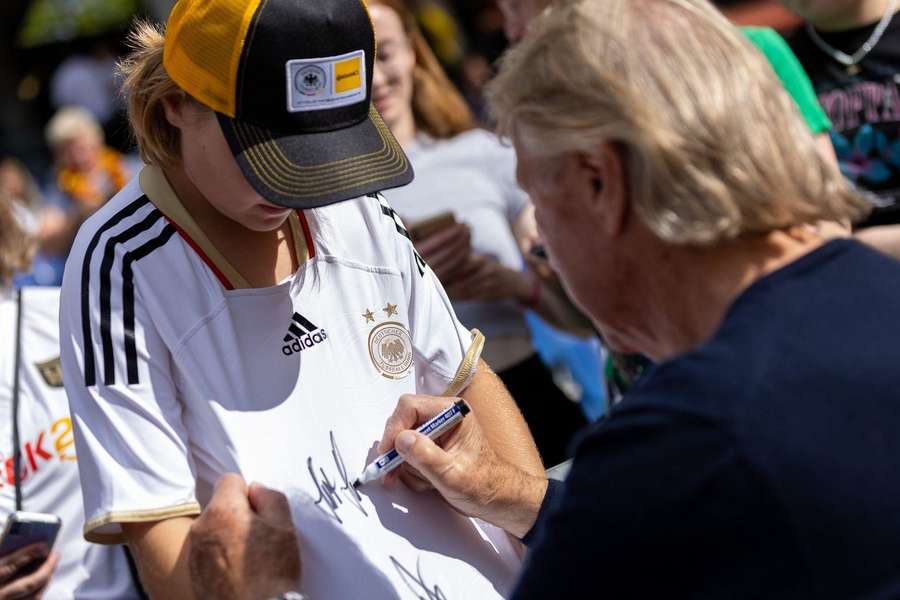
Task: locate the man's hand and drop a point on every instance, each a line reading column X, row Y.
column 464, row 469
column 243, row 546
column 15, row 584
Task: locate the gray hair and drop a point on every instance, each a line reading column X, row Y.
column 713, row 146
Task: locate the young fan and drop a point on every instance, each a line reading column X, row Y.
column 249, row 303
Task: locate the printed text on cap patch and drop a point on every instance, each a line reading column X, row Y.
column 324, row 83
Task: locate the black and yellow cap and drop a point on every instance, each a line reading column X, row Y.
column 291, row 81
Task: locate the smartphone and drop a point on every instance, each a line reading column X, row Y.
column 26, row 528
column 430, row 226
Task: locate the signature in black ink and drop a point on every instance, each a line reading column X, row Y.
column 416, row 582
column 333, row 493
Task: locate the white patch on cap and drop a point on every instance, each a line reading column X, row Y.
column 325, row 83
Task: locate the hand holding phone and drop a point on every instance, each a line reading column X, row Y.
column 26, row 573
column 26, row 562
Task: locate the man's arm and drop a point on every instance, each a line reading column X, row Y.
column 502, row 422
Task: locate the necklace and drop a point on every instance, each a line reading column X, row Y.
column 851, row 61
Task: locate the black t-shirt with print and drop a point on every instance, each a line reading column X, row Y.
column 864, row 108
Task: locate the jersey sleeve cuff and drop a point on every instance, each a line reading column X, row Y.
column 467, row 367
column 107, row 527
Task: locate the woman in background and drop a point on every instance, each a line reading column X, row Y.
column 467, row 172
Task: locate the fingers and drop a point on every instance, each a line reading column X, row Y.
column 270, row 505
column 414, row 480
column 11, row 564
column 229, row 502
column 455, row 235
column 446, row 251
column 32, row 584
column 424, row 455
column 410, row 412
column 230, row 490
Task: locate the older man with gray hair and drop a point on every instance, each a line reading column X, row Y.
column 677, row 190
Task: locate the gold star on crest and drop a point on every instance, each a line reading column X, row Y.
column 368, row 316
column 390, row 309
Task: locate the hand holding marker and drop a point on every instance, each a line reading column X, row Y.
column 433, row 428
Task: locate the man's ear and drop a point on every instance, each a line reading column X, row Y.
column 174, row 106
column 606, row 171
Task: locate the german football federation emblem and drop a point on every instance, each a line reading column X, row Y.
column 310, row 80
column 390, row 349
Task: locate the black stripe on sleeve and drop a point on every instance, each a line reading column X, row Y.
column 90, row 372
column 128, row 297
column 304, row 322
column 109, row 256
column 398, row 224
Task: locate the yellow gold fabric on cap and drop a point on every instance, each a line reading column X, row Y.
column 204, row 41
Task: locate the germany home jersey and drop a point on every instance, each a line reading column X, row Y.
column 177, row 372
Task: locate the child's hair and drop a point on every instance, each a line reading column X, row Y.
column 145, row 84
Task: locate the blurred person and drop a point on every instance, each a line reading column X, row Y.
column 52, row 229
column 18, row 186
column 467, row 172
column 31, row 387
column 86, row 174
column 851, row 52
column 250, row 292
column 88, row 80
column 644, row 131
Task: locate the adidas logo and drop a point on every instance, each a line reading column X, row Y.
column 302, row 335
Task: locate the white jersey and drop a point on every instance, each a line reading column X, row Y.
column 49, row 475
column 178, row 372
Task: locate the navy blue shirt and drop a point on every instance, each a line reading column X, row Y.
column 763, row 464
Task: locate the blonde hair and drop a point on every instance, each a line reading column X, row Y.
column 438, row 108
column 145, row 83
column 68, row 123
column 32, row 196
column 16, row 246
column 712, row 145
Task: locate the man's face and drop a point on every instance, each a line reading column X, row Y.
column 517, row 14
column 584, row 221
column 565, row 198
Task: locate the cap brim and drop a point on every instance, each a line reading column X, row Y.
column 317, row 169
